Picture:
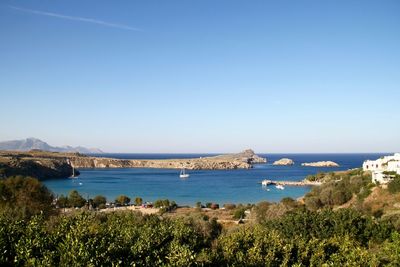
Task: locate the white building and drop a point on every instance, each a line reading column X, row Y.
column 384, row 164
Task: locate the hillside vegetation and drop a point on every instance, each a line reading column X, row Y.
column 289, row 233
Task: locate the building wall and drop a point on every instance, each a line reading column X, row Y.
column 377, row 167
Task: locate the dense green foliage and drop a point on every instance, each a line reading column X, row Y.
column 165, row 205
column 99, row 201
column 104, row 239
column 126, row 238
column 283, row 234
column 23, row 197
column 122, row 200
column 394, row 184
column 138, row 201
column 338, row 189
column 73, row 200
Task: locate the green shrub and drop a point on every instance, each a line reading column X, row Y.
column 239, row 213
column 23, row 197
column 99, row 201
column 138, row 201
column 122, row 200
column 394, row 184
column 75, row 200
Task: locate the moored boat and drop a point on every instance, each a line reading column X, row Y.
column 183, row 174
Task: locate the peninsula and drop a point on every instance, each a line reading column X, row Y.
column 43, row 164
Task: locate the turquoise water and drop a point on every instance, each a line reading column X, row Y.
column 220, row 186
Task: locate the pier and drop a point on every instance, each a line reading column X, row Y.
column 290, row 183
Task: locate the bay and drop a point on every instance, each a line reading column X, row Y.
column 218, row 186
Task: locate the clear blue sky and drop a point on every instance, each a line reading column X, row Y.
column 202, row 76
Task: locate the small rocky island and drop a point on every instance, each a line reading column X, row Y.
column 43, row 164
column 284, row 162
column 320, row 164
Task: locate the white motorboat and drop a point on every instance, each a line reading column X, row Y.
column 280, row 187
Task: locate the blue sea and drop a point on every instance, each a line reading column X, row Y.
column 219, row 186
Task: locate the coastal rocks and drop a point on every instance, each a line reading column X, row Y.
column 208, row 163
column 43, row 164
column 35, row 167
column 250, row 157
column 320, row 164
column 284, row 162
column 242, row 160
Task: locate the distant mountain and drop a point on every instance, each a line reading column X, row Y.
column 34, row 143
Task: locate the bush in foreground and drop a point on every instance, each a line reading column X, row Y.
column 23, row 197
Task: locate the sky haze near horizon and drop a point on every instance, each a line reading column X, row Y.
column 202, row 76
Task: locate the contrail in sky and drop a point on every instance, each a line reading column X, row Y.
column 88, row 20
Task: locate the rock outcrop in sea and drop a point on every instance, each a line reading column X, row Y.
column 284, row 162
column 320, row 164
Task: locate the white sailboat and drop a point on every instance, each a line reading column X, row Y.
column 73, row 176
column 183, row 174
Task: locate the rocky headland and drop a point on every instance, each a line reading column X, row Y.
column 284, row 162
column 320, row 164
column 42, row 164
column 242, row 160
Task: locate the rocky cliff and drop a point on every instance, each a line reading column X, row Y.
column 243, row 160
column 18, row 163
column 42, row 164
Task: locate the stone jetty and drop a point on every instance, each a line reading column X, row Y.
column 290, row 183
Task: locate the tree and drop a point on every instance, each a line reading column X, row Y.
column 99, row 201
column 62, row 202
column 261, row 211
column 122, row 200
column 75, row 200
column 138, row 201
column 239, row 213
column 23, row 197
column 162, row 203
column 394, row 185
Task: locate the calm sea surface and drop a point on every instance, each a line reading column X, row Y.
column 220, row 186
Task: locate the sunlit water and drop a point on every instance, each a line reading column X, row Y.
column 220, row 186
